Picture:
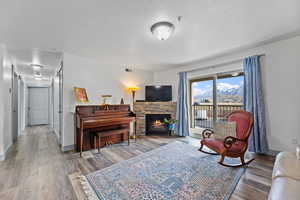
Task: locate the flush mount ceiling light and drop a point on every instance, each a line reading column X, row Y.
column 37, row 74
column 38, row 78
column 41, row 78
column 162, row 30
column 234, row 74
column 36, row 66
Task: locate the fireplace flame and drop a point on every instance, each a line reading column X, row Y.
column 157, row 123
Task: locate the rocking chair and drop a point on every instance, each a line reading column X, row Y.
column 234, row 147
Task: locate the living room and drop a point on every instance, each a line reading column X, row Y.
column 133, row 83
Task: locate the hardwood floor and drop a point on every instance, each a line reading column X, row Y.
column 37, row 169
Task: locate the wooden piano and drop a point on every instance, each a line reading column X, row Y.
column 101, row 118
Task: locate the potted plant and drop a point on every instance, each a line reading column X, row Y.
column 170, row 123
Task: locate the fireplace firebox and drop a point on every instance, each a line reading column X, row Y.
column 155, row 124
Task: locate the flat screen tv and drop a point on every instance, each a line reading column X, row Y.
column 159, row 93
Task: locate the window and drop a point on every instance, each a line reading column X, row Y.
column 213, row 98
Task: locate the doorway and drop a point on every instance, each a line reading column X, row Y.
column 38, row 108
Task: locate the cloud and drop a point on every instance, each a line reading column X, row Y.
column 199, row 91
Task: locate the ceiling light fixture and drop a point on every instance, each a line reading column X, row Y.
column 37, row 73
column 36, row 66
column 162, row 30
column 234, row 74
column 38, row 78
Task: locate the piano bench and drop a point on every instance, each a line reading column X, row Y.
column 108, row 133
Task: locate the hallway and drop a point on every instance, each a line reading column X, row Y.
column 36, row 169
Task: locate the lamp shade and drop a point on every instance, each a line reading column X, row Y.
column 133, row 88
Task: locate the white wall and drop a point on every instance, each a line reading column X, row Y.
column 56, row 105
column 20, row 106
column 7, row 98
column 26, row 99
column 50, row 107
column 98, row 79
column 281, row 69
column 5, row 103
column 1, row 103
column 24, row 106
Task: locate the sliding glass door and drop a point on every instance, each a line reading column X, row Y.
column 213, row 98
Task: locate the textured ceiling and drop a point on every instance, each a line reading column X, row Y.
column 23, row 59
column 118, row 31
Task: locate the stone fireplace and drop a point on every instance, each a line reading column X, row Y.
column 142, row 109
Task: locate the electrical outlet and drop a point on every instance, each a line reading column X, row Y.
column 294, row 141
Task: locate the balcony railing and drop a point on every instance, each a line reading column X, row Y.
column 202, row 115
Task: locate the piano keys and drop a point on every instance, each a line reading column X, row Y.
column 99, row 118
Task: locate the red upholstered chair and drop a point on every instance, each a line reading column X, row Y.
column 234, row 147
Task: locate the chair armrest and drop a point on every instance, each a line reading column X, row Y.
column 206, row 133
column 228, row 141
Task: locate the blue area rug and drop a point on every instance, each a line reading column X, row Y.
column 174, row 171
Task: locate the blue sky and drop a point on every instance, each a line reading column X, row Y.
column 238, row 80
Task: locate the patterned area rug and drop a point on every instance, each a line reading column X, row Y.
column 174, row 171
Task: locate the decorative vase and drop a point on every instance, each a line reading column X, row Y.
column 171, row 127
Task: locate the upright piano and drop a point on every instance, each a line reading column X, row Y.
column 100, row 118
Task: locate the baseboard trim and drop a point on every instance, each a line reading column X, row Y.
column 57, row 136
column 68, row 148
column 273, row 152
column 4, row 155
column 269, row 153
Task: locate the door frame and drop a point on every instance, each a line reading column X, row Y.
column 53, row 104
column 14, row 108
column 60, row 74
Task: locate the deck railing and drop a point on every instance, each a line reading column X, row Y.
column 202, row 115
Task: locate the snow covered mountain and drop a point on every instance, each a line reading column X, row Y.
column 226, row 93
column 228, row 89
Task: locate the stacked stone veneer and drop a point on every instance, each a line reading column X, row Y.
column 143, row 108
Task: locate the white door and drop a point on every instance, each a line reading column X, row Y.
column 38, row 105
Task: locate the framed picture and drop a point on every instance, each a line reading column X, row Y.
column 81, row 95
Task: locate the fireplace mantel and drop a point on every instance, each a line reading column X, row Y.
column 143, row 108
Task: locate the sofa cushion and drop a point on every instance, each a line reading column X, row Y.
column 287, row 165
column 284, row 188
